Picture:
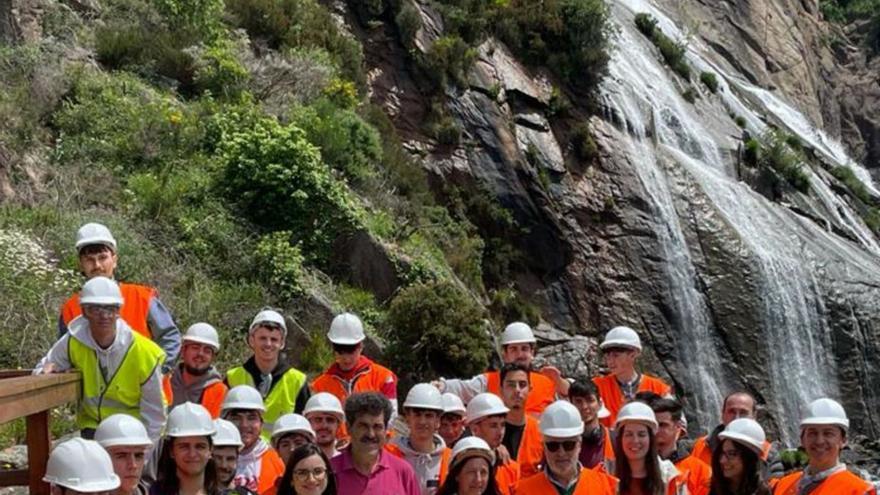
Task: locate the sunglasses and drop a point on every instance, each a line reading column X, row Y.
column 568, row 445
column 344, row 349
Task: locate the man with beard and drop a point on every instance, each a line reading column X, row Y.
column 195, row 379
column 259, row 465
column 486, row 418
column 365, row 467
column 226, row 446
column 326, row 416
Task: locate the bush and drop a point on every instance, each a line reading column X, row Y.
column 646, row 24
column 710, row 80
column 776, row 154
column 751, row 152
column 201, row 17
column 152, row 52
column 436, row 329
column 583, row 144
column 447, row 62
column 277, row 179
column 408, row 21
column 280, row 264
column 740, row 121
column 219, row 72
column 673, row 52
column 689, row 95
column 848, row 177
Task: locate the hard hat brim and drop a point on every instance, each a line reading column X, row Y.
column 603, row 412
column 492, row 412
column 340, row 415
column 276, row 434
column 520, row 341
column 457, row 410
column 101, row 300
column 226, row 443
column 192, row 433
column 650, row 424
column 344, row 341
column 95, row 241
column 112, row 483
column 416, row 405
column 246, row 406
column 117, row 442
column 564, row 432
column 744, row 440
column 200, row 340
column 470, row 454
column 619, row 343
column 820, row 421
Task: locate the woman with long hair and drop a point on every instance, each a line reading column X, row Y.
column 637, row 465
column 185, row 465
column 308, row 473
column 471, row 469
column 736, row 462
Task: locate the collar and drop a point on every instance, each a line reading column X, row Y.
column 558, row 483
column 79, row 330
column 347, row 460
column 361, row 366
column 251, row 367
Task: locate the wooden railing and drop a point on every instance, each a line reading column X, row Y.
column 23, row 395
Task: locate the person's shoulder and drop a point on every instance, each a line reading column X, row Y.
column 140, row 290
column 524, row 485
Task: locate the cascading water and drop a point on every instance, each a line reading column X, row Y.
column 642, row 97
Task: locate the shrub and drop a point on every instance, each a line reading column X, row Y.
column 277, row 179
column 740, row 121
column 776, row 154
column 582, row 142
column 848, row 177
column 201, row 17
column 751, row 152
column 446, row 131
column 408, row 21
column 436, row 329
column 673, row 52
column 447, row 62
column 280, row 264
column 646, row 24
column 689, row 95
column 710, row 80
column 219, row 72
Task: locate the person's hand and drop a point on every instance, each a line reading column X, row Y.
column 502, row 454
column 440, row 384
column 553, row 373
column 49, row 368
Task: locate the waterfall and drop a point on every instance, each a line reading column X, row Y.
column 642, row 98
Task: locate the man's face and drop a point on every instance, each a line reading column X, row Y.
column 451, row 427
column 97, row 262
column 266, row 343
column 738, row 406
column 490, row 429
column 101, row 318
column 325, row 426
column 191, row 454
column 286, row 444
column 347, row 356
column 128, row 464
column 562, row 454
column 249, row 424
column 588, row 406
column 226, row 460
column 823, row 444
column 515, row 389
column 518, row 353
column 197, row 358
column 423, row 423
column 620, row 360
column 368, row 433
column 668, row 432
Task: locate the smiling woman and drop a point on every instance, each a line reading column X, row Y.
column 185, row 465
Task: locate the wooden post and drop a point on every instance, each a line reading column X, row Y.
column 38, row 451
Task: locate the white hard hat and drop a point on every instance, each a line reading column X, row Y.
column 102, row 291
column 637, row 412
column 603, row 411
column 227, row 434
column 202, row 333
column 290, row 423
column 122, row 429
column 469, row 447
column 517, row 333
column 324, row 402
column 268, row 316
column 81, row 465
column 825, row 411
column 346, row 329
column 621, row 337
column 747, row 432
column 452, row 404
column 243, row 397
column 94, row 233
column 424, row 396
column 189, row 420
column 483, row 405
column 561, row 420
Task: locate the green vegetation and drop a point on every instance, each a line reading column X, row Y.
column 673, row 52
column 689, row 95
column 857, row 187
column 773, row 151
column 582, row 141
column 740, row 121
column 845, row 11
column 710, row 80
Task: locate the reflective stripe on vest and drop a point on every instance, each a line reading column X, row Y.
column 134, row 310
column 542, row 390
column 123, row 392
column 281, row 400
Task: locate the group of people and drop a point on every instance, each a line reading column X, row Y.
column 157, row 417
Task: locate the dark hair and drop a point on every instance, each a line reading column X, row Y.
column 372, row 403
column 583, row 388
column 167, row 481
column 739, row 392
column 647, row 397
column 94, row 249
column 752, row 481
column 654, row 482
column 671, row 406
column 298, row 454
column 510, row 368
column 450, row 486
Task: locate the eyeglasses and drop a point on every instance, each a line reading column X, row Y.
column 318, row 473
column 106, row 311
column 730, row 454
column 568, row 445
column 344, row 349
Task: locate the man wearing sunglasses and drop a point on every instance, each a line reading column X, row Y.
column 351, row 371
column 561, row 430
column 121, row 369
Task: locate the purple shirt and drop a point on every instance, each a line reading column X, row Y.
column 391, row 476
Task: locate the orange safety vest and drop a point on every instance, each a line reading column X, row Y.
column 609, row 452
column 696, row 473
column 590, row 482
column 612, row 397
column 842, row 483
column 372, row 379
column 542, row 390
column 271, row 470
column 445, row 457
column 506, row 477
column 531, row 449
column 211, row 399
column 134, row 310
column 702, row 451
